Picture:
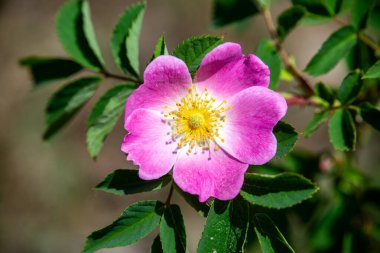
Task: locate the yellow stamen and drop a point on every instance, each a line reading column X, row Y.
column 196, row 119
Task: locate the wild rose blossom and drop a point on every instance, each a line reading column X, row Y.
column 209, row 130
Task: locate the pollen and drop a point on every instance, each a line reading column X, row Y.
column 196, row 119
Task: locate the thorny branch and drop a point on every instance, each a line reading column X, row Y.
column 304, row 84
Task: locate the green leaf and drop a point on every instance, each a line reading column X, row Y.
column 122, row 182
column 267, row 52
column 192, row 50
column 231, row 11
column 325, row 92
column 286, row 138
column 226, row 228
column 360, row 12
column 332, row 51
column 279, row 191
column 371, row 115
column 315, row 123
column 192, row 200
column 288, row 20
column 136, row 222
column 47, row 69
column 316, row 7
column 373, row 72
column 172, row 231
column 105, row 115
column 125, row 39
column 67, row 102
column 156, row 246
column 270, row 238
column 350, row 88
column 342, row 130
column 333, row 6
column 74, row 29
column 160, row 48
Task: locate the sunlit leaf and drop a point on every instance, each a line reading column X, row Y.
column 75, row 30
column 192, row 50
column 279, row 191
column 332, row 51
column 267, row 52
column 226, row 228
column 125, row 39
column 136, row 222
column 172, row 231
column 105, row 115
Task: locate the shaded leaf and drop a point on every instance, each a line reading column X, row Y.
column 286, row 138
column 75, row 30
column 279, row 191
column 136, row 222
column 67, row 101
column 288, row 20
column 332, row 51
column 124, row 181
column 156, row 246
column 104, row 116
column 371, row 115
column 342, row 130
column 270, row 238
column 125, row 39
column 350, row 88
column 325, row 92
column 313, row 6
column 267, row 52
column 373, row 72
column 172, row 231
column 374, row 18
column 192, row 50
column 230, row 11
column 360, row 12
column 47, row 69
column 315, row 123
column 192, row 200
column 226, row 228
column 361, row 56
column 160, row 48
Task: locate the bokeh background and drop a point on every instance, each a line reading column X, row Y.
column 47, row 201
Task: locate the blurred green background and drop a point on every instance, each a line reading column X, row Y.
column 47, row 201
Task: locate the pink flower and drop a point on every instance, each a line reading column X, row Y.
column 208, row 130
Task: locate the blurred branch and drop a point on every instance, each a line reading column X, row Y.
column 303, row 83
column 291, row 101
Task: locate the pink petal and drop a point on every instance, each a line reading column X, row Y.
column 209, row 173
column 148, row 144
column 249, row 123
column 225, row 71
column 165, row 79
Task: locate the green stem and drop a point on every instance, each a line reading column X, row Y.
column 120, row 77
column 168, row 199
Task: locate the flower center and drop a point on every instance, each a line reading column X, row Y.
column 196, row 120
